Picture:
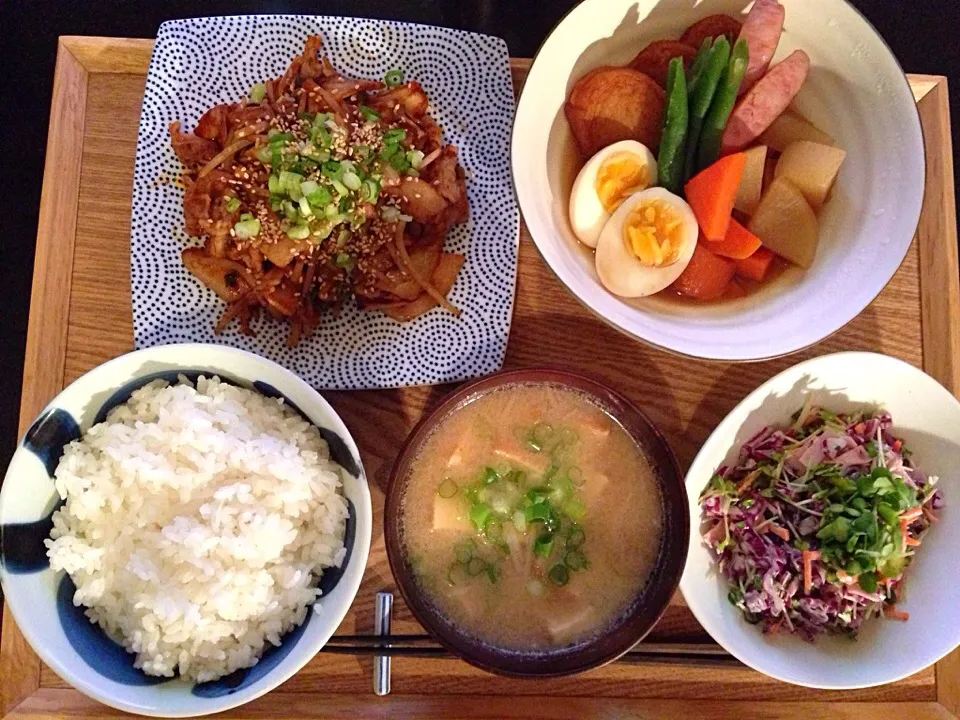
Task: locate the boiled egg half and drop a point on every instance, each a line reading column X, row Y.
column 646, row 243
column 609, row 177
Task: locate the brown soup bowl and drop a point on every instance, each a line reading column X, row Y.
column 638, row 616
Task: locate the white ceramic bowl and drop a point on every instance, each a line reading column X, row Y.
column 856, row 92
column 41, row 600
column 927, row 418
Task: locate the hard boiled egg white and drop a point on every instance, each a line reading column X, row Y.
column 609, row 177
column 646, row 244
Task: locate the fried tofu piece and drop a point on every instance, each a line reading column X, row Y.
column 449, row 514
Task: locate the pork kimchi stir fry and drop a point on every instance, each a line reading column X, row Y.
column 317, row 188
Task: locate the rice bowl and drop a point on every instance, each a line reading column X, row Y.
column 195, row 520
column 331, row 529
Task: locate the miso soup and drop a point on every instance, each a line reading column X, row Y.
column 531, row 518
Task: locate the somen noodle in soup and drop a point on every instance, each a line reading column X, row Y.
column 531, row 518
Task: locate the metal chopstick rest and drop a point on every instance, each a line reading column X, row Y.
column 383, row 613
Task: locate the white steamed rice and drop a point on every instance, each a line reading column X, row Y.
column 196, row 520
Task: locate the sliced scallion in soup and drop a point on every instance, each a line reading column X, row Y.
column 531, row 518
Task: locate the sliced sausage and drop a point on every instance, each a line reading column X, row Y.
column 761, row 30
column 655, row 58
column 712, row 26
column 757, row 110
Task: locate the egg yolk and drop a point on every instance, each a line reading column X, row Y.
column 618, row 177
column 653, row 232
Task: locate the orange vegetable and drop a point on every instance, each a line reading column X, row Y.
column 912, row 514
column 707, row 276
column 891, row 612
column 734, row 291
column 738, row 244
column 748, row 481
column 755, row 267
column 712, row 192
column 808, row 557
column 780, row 532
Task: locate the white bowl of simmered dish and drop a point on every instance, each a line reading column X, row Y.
column 822, row 550
column 182, row 529
column 726, row 180
column 536, row 523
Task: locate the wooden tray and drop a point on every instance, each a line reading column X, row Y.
column 80, row 316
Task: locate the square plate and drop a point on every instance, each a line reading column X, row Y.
column 201, row 62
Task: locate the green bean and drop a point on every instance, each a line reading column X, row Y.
column 670, row 163
column 722, row 105
column 700, row 101
column 698, row 62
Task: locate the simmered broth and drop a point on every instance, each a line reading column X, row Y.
column 531, row 518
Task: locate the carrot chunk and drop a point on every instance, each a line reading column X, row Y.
column 707, row 276
column 755, row 267
column 712, row 192
column 738, row 244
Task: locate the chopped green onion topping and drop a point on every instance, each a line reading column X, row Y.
column 399, row 162
column 543, row 544
column 320, row 197
column 475, row 566
column 342, row 191
column 344, row 260
column 463, row 550
column 415, row 157
column 305, row 208
column 299, row 232
column 309, row 186
column 479, row 514
column 257, row 92
column 248, row 227
column 448, row 488
column 369, row 113
column 264, row 154
column 352, row 180
column 370, row 190
column 331, row 169
column 559, row 575
column 393, row 78
column 279, row 138
column 394, row 136
column 232, row 204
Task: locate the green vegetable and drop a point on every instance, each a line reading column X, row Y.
column 475, row 566
column 369, row 113
column 331, row 169
column 494, row 529
column 247, row 227
column 575, row 560
column 352, row 180
column 399, row 162
column 264, row 155
column 345, row 261
column 448, row 488
column 257, row 92
column 394, row 135
column 702, row 96
column 575, row 537
column 393, row 78
column 279, row 138
column 415, row 157
column 559, row 575
column 543, row 543
column 370, row 190
column 670, row 163
column 463, row 550
column 490, row 475
column 698, row 64
column 232, row 204
column 722, row 105
column 299, row 232
column 479, row 514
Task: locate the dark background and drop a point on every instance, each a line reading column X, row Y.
column 923, row 36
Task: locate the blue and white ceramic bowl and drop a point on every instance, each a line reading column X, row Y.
column 41, row 600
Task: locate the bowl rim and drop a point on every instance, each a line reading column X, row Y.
column 289, row 666
column 714, row 357
column 637, row 622
column 688, row 585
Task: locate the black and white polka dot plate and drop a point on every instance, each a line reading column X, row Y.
column 202, row 62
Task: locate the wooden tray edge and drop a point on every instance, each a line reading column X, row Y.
column 77, row 57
